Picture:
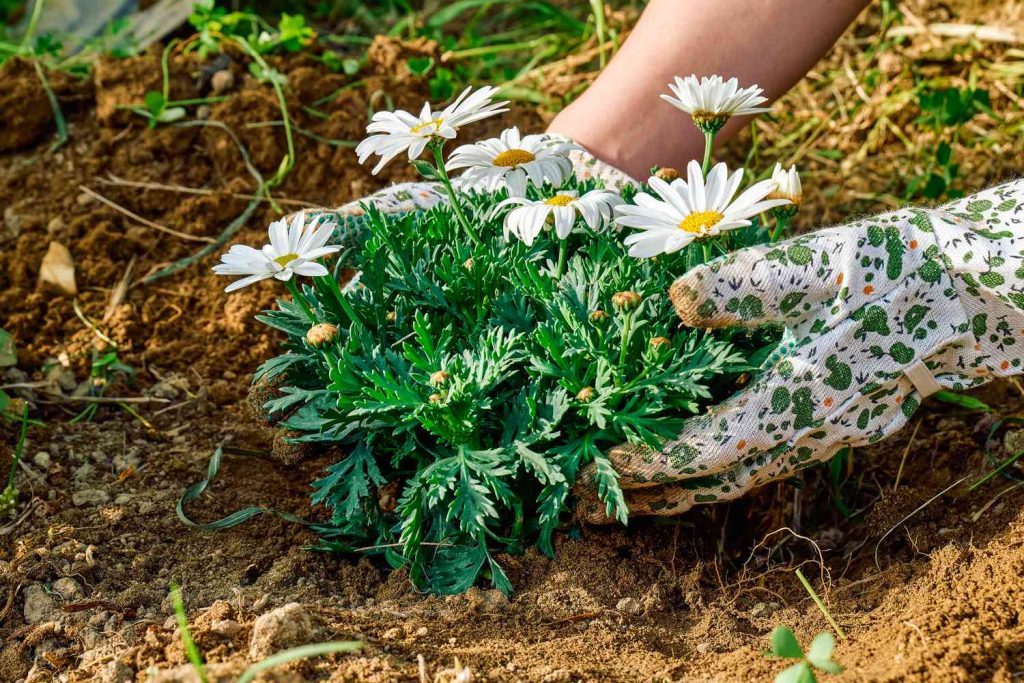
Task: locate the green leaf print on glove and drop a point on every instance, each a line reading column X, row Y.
column 880, row 314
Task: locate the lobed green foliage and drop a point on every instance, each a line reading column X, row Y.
column 480, row 384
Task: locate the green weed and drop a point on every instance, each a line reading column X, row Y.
column 817, row 658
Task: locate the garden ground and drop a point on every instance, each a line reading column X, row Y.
column 85, row 567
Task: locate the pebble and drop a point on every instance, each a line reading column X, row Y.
column 117, row 672
column 393, row 633
column 703, row 648
column 222, row 81
column 55, row 225
column 83, row 199
column 229, row 628
column 68, row 588
column 90, row 497
column 39, row 605
column 422, row 631
column 629, row 606
column 287, row 626
column 13, row 221
column 42, row 459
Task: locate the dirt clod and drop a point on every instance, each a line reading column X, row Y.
column 288, row 626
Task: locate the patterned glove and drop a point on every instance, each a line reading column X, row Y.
column 879, row 314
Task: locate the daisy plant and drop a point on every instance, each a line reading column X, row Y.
column 491, row 346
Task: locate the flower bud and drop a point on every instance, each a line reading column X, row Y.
column 435, row 398
column 468, row 264
column 586, row 395
column 667, row 174
column 440, row 377
column 322, row 335
column 390, row 317
column 598, row 316
column 658, row 342
column 626, row 301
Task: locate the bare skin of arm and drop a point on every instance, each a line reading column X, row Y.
column 772, row 43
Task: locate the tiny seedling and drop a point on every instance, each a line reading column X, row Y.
column 191, row 649
column 818, row 656
column 9, row 496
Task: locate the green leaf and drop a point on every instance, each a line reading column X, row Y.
column 5, row 400
column 8, row 353
column 963, row 401
column 822, row 647
column 425, row 169
column 154, row 102
column 785, row 644
column 798, row 673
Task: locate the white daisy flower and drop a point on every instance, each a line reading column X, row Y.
column 512, row 160
column 691, row 209
column 395, row 132
column 293, row 250
column 787, row 185
column 533, row 215
column 710, row 101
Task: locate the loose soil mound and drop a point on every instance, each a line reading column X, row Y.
column 85, row 568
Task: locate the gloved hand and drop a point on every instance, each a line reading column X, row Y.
column 879, row 314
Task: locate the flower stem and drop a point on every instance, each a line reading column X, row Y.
column 301, row 300
column 443, row 175
column 706, row 246
column 709, row 143
column 781, row 222
column 561, row 259
column 342, row 300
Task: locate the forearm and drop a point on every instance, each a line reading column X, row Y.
column 772, row 43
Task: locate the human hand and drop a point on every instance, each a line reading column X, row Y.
column 879, row 314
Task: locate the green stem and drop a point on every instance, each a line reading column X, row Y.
column 706, row 246
column 289, row 161
column 597, row 8
column 301, row 300
column 781, row 221
column 820, row 604
column 627, row 328
column 343, row 301
column 443, row 175
column 562, row 252
column 20, row 447
column 709, row 143
column 37, row 11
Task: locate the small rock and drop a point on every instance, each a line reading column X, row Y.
column 393, row 633
column 83, row 199
column 703, row 648
column 203, row 112
column 229, row 628
column 94, row 497
column 55, row 225
column 762, row 609
column 13, row 221
column 287, row 626
column 69, row 589
column 629, row 606
column 422, row 631
column 1013, row 442
column 164, row 389
column 117, row 672
column 222, row 81
column 39, row 605
column 42, row 459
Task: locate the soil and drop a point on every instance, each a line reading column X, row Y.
column 927, row 581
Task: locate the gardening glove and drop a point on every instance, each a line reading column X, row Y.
column 878, row 315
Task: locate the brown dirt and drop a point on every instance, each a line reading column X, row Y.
column 85, row 568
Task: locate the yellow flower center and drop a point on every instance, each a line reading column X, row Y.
column 560, row 200
column 283, row 261
column 513, row 157
column 436, row 123
column 700, row 222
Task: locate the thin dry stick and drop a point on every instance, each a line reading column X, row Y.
column 903, row 460
column 925, row 504
column 118, row 293
column 121, row 182
column 145, row 221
